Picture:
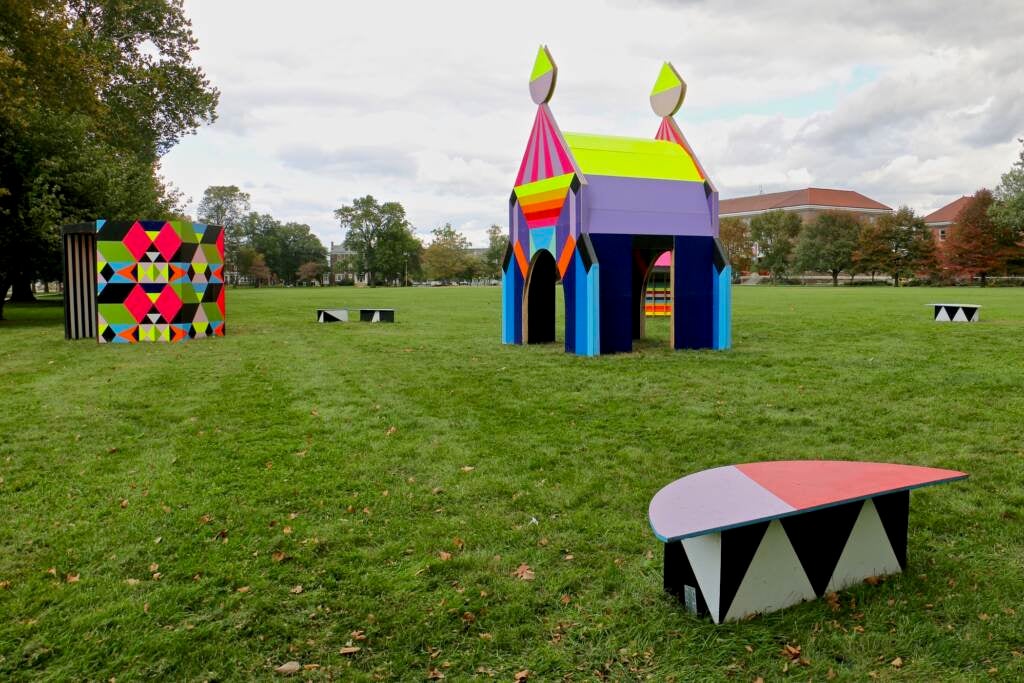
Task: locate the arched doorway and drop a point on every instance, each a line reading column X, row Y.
column 539, row 299
column 656, row 298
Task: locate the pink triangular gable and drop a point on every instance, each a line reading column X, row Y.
column 668, row 130
column 546, row 155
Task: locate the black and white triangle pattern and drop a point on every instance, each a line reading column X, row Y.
column 770, row 565
column 332, row 315
column 957, row 313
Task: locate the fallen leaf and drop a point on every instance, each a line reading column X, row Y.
column 288, row 668
column 467, row 468
column 293, row 515
column 286, row 530
column 310, row 667
column 124, row 503
column 542, row 542
column 145, row 607
column 350, row 649
column 524, row 572
column 486, row 636
column 468, row 617
column 565, row 599
column 983, row 616
column 358, row 635
column 4, row 585
column 157, row 576
column 153, row 567
column 278, row 556
column 521, row 676
column 458, row 543
column 791, row 652
column 832, row 600
column 748, row 648
column 391, row 430
column 243, row 589
column 831, row 674
column 315, row 412
column 897, row 663
column 132, row 582
column 52, row 571
column 72, row 578
column 873, row 580
column 296, row 590
column 436, row 490
column 434, row 675
column 158, row 539
column 569, row 557
column 205, row 519
column 445, row 556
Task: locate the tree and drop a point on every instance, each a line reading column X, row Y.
column 911, row 244
column 312, row 271
column 447, row 257
column 246, row 259
column 259, row 271
column 92, row 93
column 380, row 238
column 773, row 233
column 976, row 246
column 734, row 235
column 497, row 243
column 828, row 243
column 873, row 253
column 1007, row 211
column 228, row 206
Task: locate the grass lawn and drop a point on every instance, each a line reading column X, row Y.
column 214, row 509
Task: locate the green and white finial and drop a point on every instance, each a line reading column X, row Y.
column 668, row 92
column 542, row 80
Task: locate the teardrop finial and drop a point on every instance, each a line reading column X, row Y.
column 542, row 80
column 668, row 92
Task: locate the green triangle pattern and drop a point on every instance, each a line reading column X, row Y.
column 542, row 64
column 667, row 79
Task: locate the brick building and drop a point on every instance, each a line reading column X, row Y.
column 941, row 220
column 807, row 203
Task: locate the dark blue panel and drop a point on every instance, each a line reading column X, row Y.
column 615, row 254
column 693, row 293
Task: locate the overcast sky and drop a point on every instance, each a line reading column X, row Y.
column 427, row 104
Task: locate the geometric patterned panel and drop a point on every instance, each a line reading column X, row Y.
column 770, row 565
column 159, row 281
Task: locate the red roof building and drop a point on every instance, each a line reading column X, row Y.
column 808, row 203
column 940, row 221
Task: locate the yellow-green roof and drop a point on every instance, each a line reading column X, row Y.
column 631, row 157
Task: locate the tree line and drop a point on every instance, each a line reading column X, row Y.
column 986, row 239
column 258, row 248
column 92, row 94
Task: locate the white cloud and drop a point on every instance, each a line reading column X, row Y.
column 426, row 103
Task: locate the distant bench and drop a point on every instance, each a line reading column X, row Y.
column 956, row 313
column 366, row 315
column 754, row 538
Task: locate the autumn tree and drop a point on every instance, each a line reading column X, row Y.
column 873, row 253
column 827, row 244
column 774, row 233
column 92, row 94
column 734, row 234
column 975, row 245
column 312, row 271
column 447, row 257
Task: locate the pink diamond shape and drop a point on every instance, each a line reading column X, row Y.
column 137, row 303
column 167, row 241
column 168, row 303
column 137, row 241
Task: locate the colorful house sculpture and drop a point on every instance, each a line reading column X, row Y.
column 132, row 281
column 596, row 212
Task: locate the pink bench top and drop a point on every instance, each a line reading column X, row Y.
column 737, row 495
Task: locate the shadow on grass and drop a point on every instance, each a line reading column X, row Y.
column 47, row 311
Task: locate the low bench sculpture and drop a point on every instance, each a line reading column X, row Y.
column 366, row 315
column 754, row 538
column 956, row 313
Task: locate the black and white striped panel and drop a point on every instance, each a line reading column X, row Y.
column 79, row 285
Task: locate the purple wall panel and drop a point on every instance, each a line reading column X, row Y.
column 638, row 206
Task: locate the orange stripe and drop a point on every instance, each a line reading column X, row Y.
column 524, row 265
column 547, row 195
column 542, row 206
column 566, row 257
